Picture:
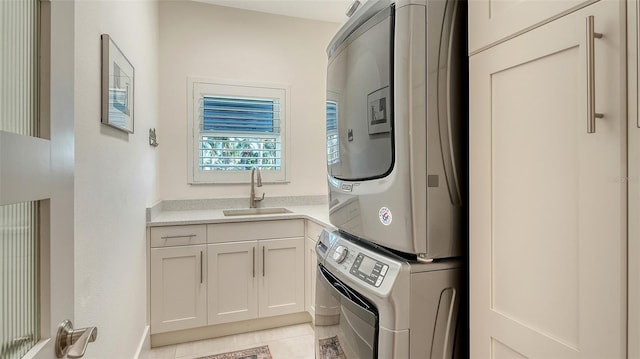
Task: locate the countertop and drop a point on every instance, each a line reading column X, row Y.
column 318, row 213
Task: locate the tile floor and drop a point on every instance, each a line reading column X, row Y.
column 290, row 342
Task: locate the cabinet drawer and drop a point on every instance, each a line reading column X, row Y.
column 178, row 235
column 250, row 231
column 313, row 230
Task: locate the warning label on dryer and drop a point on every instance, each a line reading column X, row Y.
column 385, row 216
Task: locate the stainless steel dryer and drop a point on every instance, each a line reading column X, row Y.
column 371, row 303
column 396, row 115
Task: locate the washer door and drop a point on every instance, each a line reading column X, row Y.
column 346, row 323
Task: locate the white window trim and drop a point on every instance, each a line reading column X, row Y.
column 217, row 87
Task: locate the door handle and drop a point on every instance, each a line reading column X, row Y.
column 591, row 75
column 73, row 342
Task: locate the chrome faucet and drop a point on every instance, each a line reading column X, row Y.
column 258, row 183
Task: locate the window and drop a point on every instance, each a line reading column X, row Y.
column 236, row 127
column 333, row 146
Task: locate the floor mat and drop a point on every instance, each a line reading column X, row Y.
column 253, row 353
column 330, row 348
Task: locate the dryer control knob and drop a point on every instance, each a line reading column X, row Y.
column 340, row 254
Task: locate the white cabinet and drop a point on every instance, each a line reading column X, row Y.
column 548, row 205
column 313, row 231
column 225, row 272
column 281, row 280
column 233, row 282
column 260, row 274
column 494, row 20
column 178, row 279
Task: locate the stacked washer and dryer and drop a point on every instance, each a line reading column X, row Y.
column 390, row 278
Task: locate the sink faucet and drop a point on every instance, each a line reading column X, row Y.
column 258, row 183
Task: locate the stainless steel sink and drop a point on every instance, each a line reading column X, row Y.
column 254, row 211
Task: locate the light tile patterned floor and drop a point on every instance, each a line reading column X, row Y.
column 292, row 342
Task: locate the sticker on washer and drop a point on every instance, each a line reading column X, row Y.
column 385, row 216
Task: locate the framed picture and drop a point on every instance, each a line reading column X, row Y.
column 378, row 113
column 117, row 87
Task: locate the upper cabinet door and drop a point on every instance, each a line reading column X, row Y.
column 493, row 20
column 548, row 207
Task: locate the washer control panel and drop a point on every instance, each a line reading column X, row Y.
column 369, row 270
column 376, row 271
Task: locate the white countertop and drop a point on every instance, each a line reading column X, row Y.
column 318, row 213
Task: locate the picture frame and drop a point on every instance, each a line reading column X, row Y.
column 379, row 111
column 118, row 75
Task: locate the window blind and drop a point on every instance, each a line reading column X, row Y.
column 237, row 133
column 228, row 114
column 333, row 147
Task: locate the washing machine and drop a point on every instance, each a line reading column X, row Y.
column 374, row 303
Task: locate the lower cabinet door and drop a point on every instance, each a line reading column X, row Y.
column 233, row 285
column 178, row 288
column 281, row 276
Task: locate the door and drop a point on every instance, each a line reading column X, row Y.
column 178, row 288
column 547, row 199
column 36, row 170
column 281, row 279
column 233, row 283
column 494, row 20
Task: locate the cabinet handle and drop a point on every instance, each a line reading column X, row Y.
column 263, row 260
column 591, row 76
column 181, row 236
column 253, row 266
column 201, row 267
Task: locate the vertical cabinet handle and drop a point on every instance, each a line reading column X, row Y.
column 591, row 75
column 263, row 260
column 253, row 266
column 201, row 274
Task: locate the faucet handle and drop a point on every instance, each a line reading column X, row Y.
column 258, row 199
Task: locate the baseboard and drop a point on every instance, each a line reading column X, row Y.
column 145, row 344
column 220, row 330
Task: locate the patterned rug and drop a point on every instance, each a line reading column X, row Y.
column 253, row 353
column 330, row 348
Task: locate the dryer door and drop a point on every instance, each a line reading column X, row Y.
column 346, row 323
column 359, row 102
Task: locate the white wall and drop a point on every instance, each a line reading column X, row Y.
column 208, row 41
column 115, row 178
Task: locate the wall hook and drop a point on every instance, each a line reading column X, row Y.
column 153, row 139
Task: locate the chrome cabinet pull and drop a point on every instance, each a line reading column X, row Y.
column 201, row 254
column 181, row 236
column 263, row 260
column 253, row 266
column 591, row 75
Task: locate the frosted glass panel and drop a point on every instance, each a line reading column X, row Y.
column 19, row 232
column 19, row 66
column 19, row 279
